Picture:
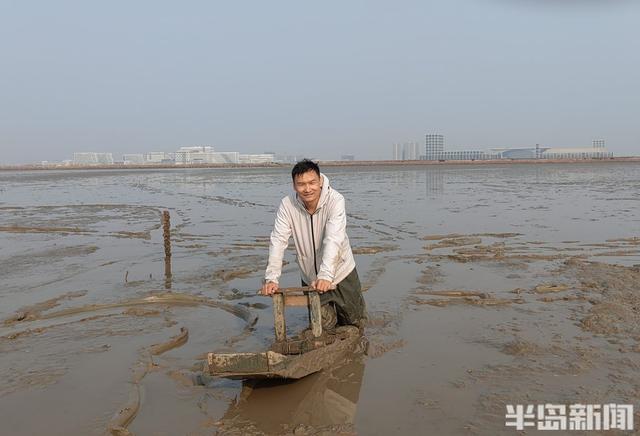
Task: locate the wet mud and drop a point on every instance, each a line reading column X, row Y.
column 34, row 311
column 322, row 403
column 374, row 249
column 504, row 295
column 613, row 297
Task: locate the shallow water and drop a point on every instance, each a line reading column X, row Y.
column 450, row 258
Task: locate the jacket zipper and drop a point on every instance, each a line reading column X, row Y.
column 313, row 241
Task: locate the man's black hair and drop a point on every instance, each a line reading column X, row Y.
column 304, row 166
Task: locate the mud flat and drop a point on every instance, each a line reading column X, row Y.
column 486, row 285
column 355, row 163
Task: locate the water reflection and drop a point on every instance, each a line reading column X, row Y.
column 321, row 401
column 434, row 181
column 167, row 273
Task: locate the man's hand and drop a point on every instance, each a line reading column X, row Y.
column 321, row 285
column 269, row 288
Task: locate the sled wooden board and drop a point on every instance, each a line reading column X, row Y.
column 271, row 364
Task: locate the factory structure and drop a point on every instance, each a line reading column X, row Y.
column 206, row 155
column 406, row 151
column 434, row 150
column 596, row 151
column 93, row 158
column 190, row 155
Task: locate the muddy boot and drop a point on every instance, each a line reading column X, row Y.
column 329, row 317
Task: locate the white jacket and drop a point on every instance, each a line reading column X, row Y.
column 324, row 253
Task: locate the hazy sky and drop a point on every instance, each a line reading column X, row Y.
column 320, row 78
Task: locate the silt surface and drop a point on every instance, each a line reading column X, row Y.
column 485, row 286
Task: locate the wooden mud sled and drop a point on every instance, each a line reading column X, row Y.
column 291, row 358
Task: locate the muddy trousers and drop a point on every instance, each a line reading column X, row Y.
column 347, row 299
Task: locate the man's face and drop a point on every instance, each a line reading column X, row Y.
column 308, row 186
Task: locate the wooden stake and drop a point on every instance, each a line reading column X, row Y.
column 278, row 317
column 315, row 315
column 166, row 233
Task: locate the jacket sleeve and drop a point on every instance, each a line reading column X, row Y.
column 279, row 242
column 334, row 235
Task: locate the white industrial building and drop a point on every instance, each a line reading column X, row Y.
column 465, row 155
column 255, row 158
column 410, row 151
column 406, row 151
column 435, row 151
column 91, row 158
column 597, row 151
column 133, row 159
column 205, row 155
column 194, row 155
column 287, row 158
column 575, row 153
column 397, row 151
column 434, row 144
column 158, row 157
column 223, row 157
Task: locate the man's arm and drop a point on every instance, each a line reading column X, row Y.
column 279, row 242
column 335, row 232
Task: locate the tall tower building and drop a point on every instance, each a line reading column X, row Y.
column 434, row 146
column 397, row 151
column 410, row 151
column 598, row 143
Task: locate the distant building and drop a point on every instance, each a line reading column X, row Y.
column 232, row 157
column 553, row 153
column 406, row 151
column 518, row 153
column 91, row 158
column 157, row 157
column 255, row 158
column 596, row 151
column 576, row 153
column 287, row 158
column 464, row 155
column 434, row 144
column 133, row 159
column 347, row 157
column 410, row 151
column 105, row 158
column 397, row 151
column 194, row 155
column 434, row 150
column 85, row 159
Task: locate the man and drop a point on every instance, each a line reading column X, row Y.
column 315, row 216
